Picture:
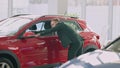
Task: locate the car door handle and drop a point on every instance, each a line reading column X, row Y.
column 57, row 40
column 41, row 43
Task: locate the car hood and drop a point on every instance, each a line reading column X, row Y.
column 91, row 59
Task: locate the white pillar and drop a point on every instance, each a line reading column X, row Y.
column 110, row 20
column 83, row 9
column 10, row 8
column 4, row 9
column 57, row 6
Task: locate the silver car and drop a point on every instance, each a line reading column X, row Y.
column 109, row 57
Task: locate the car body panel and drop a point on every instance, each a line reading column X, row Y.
column 42, row 50
column 95, row 58
column 107, row 57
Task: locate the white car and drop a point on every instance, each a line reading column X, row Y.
column 109, row 57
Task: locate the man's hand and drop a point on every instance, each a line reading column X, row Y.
column 37, row 35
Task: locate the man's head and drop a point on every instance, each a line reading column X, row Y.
column 54, row 22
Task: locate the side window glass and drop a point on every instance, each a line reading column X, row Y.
column 36, row 27
column 39, row 27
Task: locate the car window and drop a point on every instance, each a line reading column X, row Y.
column 115, row 46
column 73, row 25
column 39, row 27
column 10, row 26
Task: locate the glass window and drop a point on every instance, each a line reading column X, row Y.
column 115, row 46
column 39, row 27
column 11, row 25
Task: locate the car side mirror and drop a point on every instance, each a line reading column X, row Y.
column 28, row 35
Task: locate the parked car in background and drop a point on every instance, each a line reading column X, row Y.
column 20, row 49
column 108, row 57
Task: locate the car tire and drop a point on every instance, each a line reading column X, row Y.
column 89, row 48
column 6, row 63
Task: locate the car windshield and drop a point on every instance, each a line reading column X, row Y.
column 114, row 46
column 10, row 26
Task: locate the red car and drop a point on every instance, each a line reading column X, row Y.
column 20, row 49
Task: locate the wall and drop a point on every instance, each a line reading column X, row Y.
column 97, row 19
column 96, row 16
column 116, row 21
column 3, row 9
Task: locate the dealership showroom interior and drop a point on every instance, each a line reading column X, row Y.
column 59, row 34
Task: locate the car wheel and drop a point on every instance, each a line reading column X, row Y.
column 6, row 63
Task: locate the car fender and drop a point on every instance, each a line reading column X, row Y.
column 11, row 54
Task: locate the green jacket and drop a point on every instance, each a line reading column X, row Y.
column 65, row 33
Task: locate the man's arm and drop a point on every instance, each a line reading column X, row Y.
column 54, row 29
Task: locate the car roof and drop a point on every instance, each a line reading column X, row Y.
column 60, row 16
column 31, row 16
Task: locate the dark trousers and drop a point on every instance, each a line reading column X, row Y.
column 75, row 50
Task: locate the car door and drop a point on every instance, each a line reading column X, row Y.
column 54, row 46
column 35, row 49
column 63, row 52
column 60, row 53
column 56, row 53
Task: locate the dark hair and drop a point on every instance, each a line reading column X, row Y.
column 55, row 19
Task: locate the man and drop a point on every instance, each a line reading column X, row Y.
column 67, row 36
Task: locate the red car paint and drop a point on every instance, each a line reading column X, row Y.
column 43, row 50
